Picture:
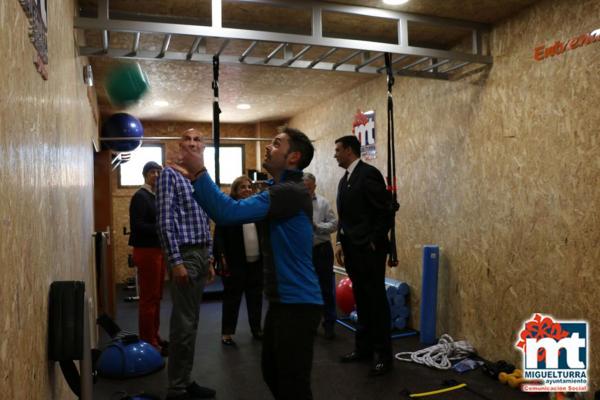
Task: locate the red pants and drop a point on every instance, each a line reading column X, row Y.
column 151, row 277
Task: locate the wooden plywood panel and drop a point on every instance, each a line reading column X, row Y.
column 46, row 215
column 502, row 172
column 488, row 11
column 187, row 86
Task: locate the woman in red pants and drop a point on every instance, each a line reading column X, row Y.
column 148, row 257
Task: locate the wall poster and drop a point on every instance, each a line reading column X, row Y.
column 363, row 128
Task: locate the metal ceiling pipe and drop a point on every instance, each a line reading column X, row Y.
column 247, row 52
column 322, row 57
column 165, row 45
column 402, row 57
column 194, row 47
column 435, row 65
column 369, row 61
column 458, row 66
column 136, row 43
column 167, row 138
column 297, row 56
column 272, row 54
column 413, row 64
column 105, row 41
column 223, row 45
column 345, row 60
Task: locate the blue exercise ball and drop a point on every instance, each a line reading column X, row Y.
column 128, row 360
column 122, row 125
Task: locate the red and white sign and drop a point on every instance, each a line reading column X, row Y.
column 363, row 128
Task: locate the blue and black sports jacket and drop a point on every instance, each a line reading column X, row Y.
column 283, row 214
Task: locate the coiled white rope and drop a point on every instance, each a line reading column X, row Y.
column 440, row 355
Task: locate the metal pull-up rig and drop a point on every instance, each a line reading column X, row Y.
column 289, row 50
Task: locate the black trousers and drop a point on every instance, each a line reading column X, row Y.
column 366, row 269
column 323, row 262
column 287, row 352
column 243, row 279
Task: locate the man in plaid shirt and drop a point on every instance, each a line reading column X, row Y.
column 185, row 238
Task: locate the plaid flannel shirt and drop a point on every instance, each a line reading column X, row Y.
column 181, row 221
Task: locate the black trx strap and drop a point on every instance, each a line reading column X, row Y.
column 391, row 162
column 216, row 127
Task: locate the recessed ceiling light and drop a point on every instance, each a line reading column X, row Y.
column 243, row 106
column 395, row 2
column 161, row 103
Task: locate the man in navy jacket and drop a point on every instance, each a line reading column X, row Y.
column 284, row 216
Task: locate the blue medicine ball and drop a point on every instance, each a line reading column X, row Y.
column 122, row 125
column 128, row 360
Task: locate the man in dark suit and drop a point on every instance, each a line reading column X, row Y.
column 365, row 215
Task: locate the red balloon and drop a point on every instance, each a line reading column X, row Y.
column 344, row 296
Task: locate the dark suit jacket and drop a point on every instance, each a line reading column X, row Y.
column 364, row 206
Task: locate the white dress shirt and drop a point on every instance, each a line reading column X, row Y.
column 324, row 220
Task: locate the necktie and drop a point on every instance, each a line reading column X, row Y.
column 345, row 180
column 343, row 187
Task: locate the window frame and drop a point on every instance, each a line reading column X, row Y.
column 242, row 146
column 162, row 162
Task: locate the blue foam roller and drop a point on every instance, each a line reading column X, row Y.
column 391, row 292
column 403, row 289
column 399, row 300
column 394, row 311
column 403, row 312
column 431, row 255
column 400, row 323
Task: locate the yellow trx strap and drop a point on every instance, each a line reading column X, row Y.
column 425, row 394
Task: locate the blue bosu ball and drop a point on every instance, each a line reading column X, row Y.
column 128, row 360
column 122, row 125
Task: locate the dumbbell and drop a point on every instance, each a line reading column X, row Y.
column 514, row 379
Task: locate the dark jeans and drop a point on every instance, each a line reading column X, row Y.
column 287, row 352
column 245, row 278
column 366, row 269
column 323, row 261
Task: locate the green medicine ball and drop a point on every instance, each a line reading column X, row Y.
column 126, row 84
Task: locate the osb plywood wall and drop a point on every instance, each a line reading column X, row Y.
column 502, row 172
column 122, row 196
column 46, row 170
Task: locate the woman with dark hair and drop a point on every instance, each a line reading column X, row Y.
column 238, row 259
